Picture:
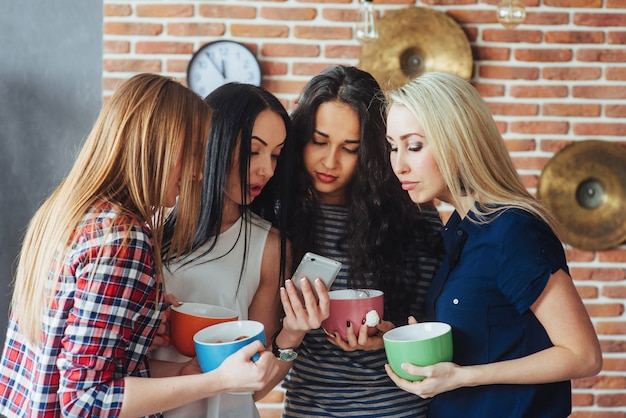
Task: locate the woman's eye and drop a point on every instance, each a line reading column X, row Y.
column 415, row 147
column 351, row 150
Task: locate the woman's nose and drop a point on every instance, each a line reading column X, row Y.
column 398, row 163
column 330, row 158
column 266, row 167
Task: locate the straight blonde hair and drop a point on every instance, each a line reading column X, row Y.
column 467, row 144
column 150, row 124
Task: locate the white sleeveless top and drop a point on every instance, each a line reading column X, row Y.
column 213, row 279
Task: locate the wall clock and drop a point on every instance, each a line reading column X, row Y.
column 221, row 62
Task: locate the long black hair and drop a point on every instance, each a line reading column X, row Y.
column 236, row 107
column 384, row 225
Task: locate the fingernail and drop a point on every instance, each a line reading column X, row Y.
column 348, row 324
column 288, row 281
column 363, row 321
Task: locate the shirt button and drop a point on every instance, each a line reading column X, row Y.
column 459, row 232
column 455, row 301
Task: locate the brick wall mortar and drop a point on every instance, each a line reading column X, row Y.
column 577, row 89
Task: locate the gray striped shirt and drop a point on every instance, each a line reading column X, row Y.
column 326, row 381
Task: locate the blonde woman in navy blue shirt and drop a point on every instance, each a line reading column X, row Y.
column 520, row 329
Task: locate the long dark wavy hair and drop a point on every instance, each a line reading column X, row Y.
column 235, row 109
column 384, row 226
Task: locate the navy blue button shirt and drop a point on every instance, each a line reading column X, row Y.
column 491, row 275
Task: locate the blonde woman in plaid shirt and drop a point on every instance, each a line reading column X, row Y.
column 88, row 292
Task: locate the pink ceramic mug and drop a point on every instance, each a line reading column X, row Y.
column 352, row 305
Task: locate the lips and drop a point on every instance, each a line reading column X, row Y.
column 408, row 185
column 255, row 189
column 325, row 178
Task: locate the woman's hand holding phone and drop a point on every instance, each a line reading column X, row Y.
column 304, row 310
column 313, row 266
column 305, row 298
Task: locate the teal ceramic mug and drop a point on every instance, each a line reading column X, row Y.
column 422, row 344
column 216, row 342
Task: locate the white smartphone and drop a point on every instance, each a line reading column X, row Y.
column 313, row 266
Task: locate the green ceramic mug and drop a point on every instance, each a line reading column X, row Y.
column 422, row 344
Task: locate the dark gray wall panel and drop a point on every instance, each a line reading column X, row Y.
column 50, row 95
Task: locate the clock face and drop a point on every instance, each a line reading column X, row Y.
column 222, row 62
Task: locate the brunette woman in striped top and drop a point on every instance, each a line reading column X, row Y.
column 348, row 206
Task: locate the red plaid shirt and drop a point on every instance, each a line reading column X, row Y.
column 97, row 331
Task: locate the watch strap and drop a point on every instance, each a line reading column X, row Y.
column 283, row 354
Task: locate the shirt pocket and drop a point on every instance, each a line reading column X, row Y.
column 470, row 331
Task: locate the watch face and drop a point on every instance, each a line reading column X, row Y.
column 222, row 62
column 287, row 355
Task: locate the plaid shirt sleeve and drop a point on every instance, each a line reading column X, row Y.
column 112, row 318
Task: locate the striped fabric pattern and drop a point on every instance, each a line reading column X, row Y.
column 326, row 381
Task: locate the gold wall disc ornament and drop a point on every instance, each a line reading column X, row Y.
column 584, row 185
column 412, row 41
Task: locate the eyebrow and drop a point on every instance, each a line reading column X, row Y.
column 405, row 136
column 259, row 139
column 349, row 141
column 263, row 142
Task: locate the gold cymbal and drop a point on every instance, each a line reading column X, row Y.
column 584, row 185
column 412, row 41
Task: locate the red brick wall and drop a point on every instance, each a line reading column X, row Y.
column 558, row 78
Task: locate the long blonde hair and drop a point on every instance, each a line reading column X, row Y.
column 467, row 145
column 149, row 124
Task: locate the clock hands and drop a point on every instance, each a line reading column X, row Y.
column 222, row 71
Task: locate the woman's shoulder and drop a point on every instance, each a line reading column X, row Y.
column 524, row 226
column 263, row 226
column 518, row 218
column 107, row 231
column 257, row 221
column 430, row 215
column 106, row 220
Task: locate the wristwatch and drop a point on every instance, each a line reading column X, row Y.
column 283, row 354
